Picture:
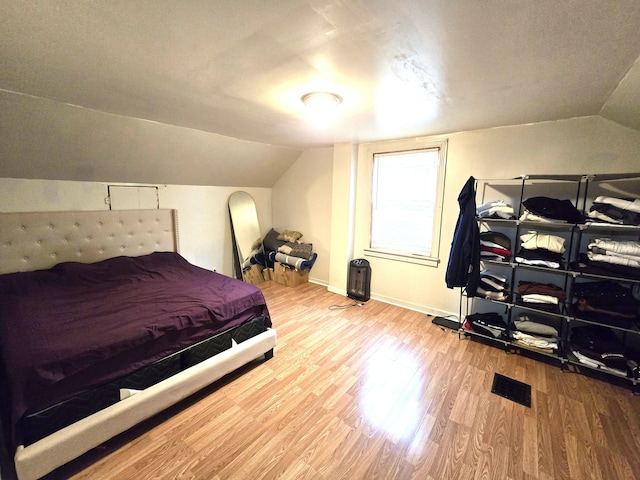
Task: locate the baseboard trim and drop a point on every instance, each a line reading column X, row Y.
column 397, row 302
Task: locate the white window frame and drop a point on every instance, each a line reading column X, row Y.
column 396, row 147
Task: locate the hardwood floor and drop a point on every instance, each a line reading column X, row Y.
column 379, row 392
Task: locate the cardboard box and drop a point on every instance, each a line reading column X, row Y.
column 289, row 276
column 253, row 275
column 267, row 273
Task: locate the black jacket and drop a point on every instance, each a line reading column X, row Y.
column 463, row 268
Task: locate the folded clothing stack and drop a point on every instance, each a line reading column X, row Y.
column 623, row 253
column 605, row 302
column 493, row 286
column 490, row 324
column 620, row 211
column 542, row 296
column 286, row 248
column 602, row 264
column 550, row 210
column 540, row 249
column 495, row 246
column 533, row 331
column 496, row 209
column 598, row 347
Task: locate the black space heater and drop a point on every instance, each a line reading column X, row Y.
column 359, row 280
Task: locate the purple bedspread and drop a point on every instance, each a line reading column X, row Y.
column 78, row 326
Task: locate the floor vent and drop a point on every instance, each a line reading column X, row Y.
column 512, row 389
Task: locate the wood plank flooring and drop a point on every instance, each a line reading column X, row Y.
column 379, row 392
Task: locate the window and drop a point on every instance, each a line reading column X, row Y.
column 406, row 191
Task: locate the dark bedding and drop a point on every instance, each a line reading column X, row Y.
column 76, row 326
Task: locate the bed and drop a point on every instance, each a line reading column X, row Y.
column 103, row 324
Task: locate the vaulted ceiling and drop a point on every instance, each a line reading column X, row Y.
column 238, row 68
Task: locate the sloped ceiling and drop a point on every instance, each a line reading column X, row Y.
column 233, row 71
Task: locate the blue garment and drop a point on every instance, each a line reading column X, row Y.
column 463, row 268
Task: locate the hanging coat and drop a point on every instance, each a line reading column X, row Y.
column 463, row 269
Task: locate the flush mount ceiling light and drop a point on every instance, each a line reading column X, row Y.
column 321, row 101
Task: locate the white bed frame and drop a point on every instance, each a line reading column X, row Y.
column 38, row 240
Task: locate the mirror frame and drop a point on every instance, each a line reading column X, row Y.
column 245, row 232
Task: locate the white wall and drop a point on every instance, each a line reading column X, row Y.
column 343, row 203
column 203, row 219
column 301, row 201
column 581, row 145
column 313, row 190
column 42, row 138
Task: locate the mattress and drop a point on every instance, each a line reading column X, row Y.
column 76, row 328
column 35, row 426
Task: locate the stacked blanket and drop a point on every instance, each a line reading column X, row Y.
column 490, row 324
column 605, row 302
column 599, row 347
column 550, row 210
column 493, row 286
column 542, row 296
column 624, row 253
column 496, row 209
column 495, row 246
column 609, row 257
column 541, row 249
column 534, row 332
column 615, row 210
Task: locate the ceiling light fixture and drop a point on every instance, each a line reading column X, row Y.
column 321, row 101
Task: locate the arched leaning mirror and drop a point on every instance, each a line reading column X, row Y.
column 247, row 241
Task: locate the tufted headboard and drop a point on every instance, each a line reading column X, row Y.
column 38, row 240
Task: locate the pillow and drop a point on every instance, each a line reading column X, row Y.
column 290, row 236
column 271, row 242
